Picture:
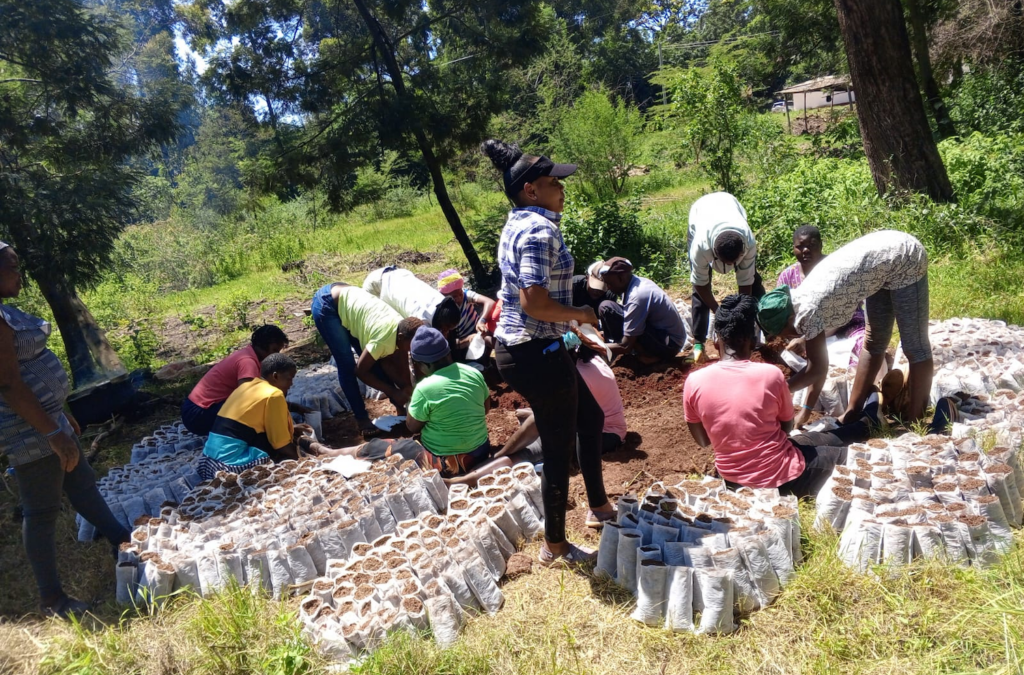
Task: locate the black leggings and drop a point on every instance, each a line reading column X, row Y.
column 563, row 407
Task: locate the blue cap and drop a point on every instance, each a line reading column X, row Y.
column 428, row 345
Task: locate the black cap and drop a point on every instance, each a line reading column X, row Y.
column 525, row 171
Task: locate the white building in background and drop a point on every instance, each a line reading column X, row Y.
column 821, row 92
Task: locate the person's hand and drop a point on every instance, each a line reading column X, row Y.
column 798, row 346
column 802, row 418
column 401, row 398
column 74, row 424
column 303, row 430
column 66, row 448
column 481, row 327
column 587, row 315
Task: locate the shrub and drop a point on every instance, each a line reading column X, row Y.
column 603, row 138
column 990, row 101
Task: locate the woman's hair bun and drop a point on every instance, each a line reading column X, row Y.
column 502, row 155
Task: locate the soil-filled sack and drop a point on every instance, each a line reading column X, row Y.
column 487, row 546
column 625, row 571
column 832, row 508
column 382, row 514
column 607, row 551
column 747, row 598
column 419, row 500
column 650, row 552
column 897, row 544
column 399, row 506
column 759, row 565
column 86, row 530
column 280, row 572
column 990, row 508
column 438, row 490
column 861, row 547
column 444, row 618
column 526, row 517
column 627, row 504
column 673, row 553
column 646, row 528
column 127, row 577
column 981, row 546
column 455, row 580
column 778, row 554
column 956, row 548
column 482, row 584
column 156, row 583
column 651, row 587
column 927, row 541
column 209, row 575
column 679, row 604
column 301, row 564
column 257, row 571
column 715, row 589
column 500, row 516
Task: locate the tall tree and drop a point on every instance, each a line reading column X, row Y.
column 894, row 127
column 67, row 133
column 360, row 77
column 919, row 41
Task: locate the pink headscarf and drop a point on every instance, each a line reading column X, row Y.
column 449, row 281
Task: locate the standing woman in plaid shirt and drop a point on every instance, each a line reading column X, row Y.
column 536, row 271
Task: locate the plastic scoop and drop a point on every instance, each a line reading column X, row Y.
column 476, row 349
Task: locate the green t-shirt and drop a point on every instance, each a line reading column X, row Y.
column 369, row 320
column 451, row 405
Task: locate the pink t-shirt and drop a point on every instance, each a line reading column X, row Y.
column 222, row 379
column 601, row 382
column 740, row 404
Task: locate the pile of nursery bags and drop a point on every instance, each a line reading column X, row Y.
column 432, row 571
column 162, row 472
column 300, row 525
column 931, row 497
column 699, row 548
column 954, row 497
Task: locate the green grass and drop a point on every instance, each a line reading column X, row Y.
column 926, row 618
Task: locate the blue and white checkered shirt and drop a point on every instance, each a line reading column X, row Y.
column 532, row 253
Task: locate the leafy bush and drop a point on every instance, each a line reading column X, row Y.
column 708, row 103
column 599, row 230
column 841, row 139
column 838, row 196
column 604, row 139
column 990, row 101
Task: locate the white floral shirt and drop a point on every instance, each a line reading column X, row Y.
column 883, row 260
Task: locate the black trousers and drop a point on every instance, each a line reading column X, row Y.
column 700, row 313
column 563, row 407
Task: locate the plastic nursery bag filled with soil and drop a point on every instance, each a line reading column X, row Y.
column 747, row 597
column 526, row 517
column 444, row 618
column 715, row 590
column 482, row 584
column 607, row 551
column 651, row 588
column 679, row 605
column 127, row 577
column 625, row 571
column 832, row 508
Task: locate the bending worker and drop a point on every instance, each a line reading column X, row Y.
column 410, row 297
column 719, row 239
column 348, row 317
column 890, row 269
column 474, row 310
column 649, row 323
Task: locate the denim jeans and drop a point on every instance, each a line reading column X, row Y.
column 40, row 484
column 342, row 343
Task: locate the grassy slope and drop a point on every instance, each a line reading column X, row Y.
column 929, row 620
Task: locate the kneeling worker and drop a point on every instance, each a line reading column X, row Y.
column 449, row 406
column 650, row 322
column 254, row 426
column 744, row 412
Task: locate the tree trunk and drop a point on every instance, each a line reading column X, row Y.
column 429, row 158
column 897, row 139
column 919, row 41
column 90, row 356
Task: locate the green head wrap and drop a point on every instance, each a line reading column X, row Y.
column 774, row 309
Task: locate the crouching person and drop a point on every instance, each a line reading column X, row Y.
column 254, row 426
column 448, row 407
column 743, row 411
